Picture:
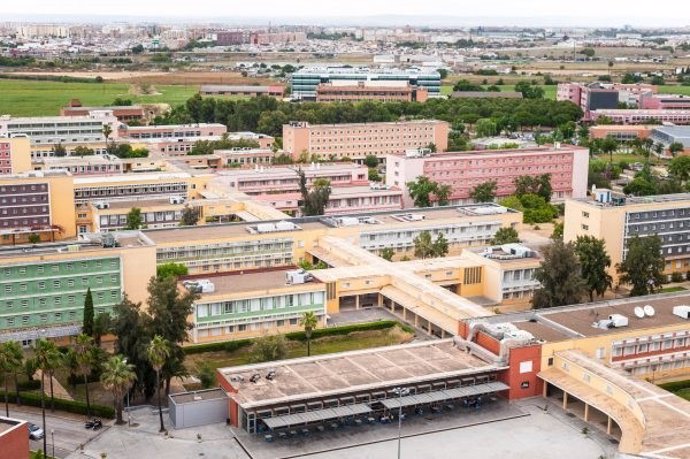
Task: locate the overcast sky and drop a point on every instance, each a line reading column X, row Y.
column 669, row 12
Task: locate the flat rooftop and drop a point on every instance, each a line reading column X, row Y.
column 143, row 203
column 332, row 374
column 250, row 281
column 512, row 151
column 8, row 424
column 189, row 397
column 395, row 217
column 640, row 200
column 120, row 178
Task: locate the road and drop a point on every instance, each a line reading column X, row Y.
column 68, row 430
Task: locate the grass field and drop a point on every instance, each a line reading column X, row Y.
column 44, row 98
column 673, row 290
column 549, row 91
column 675, row 89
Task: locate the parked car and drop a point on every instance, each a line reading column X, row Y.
column 35, row 432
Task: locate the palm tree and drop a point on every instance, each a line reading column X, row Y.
column 84, row 348
column 158, row 352
column 54, row 361
column 118, row 376
column 11, row 362
column 43, row 353
column 107, row 130
column 309, row 321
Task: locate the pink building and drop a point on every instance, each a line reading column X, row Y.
column 649, row 101
column 343, row 200
column 284, row 179
column 567, row 164
column 171, row 131
column 621, row 132
column 643, row 116
column 356, row 141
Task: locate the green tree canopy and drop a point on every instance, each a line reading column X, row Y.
column 643, row 266
column 505, row 235
column 560, row 277
column 134, row 219
column 484, row 192
column 595, row 262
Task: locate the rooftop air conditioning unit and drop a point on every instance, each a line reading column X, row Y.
column 299, row 276
column 682, row 311
column 618, row 320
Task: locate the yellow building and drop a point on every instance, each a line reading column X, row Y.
column 36, row 204
column 15, row 155
column 616, row 219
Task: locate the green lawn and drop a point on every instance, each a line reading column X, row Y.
column 326, row 345
column 673, row 290
column 630, row 157
column 44, row 98
column 685, row 393
column 675, row 89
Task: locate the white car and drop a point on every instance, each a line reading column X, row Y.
column 35, row 432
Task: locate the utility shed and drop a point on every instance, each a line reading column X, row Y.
column 198, row 408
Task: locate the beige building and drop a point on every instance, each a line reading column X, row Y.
column 15, row 155
column 616, row 219
column 356, row 141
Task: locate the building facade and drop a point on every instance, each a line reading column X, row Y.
column 15, row 155
column 568, row 166
column 357, row 141
column 306, row 81
column 362, row 90
column 637, row 116
column 276, row 91
column 622, row 133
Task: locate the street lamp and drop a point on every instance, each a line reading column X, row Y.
column 400, row 392
column 52, row 440
column 129, row 411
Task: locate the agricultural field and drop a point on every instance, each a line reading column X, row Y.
column 44, row 98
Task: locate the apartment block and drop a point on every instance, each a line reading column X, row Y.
column 305, row 81
column 174, row 131
column 356, row 141
column 36, row 203
column 649, row 101
column 616, row 218
column 125, row 187
column 366, row 90
column 124, row 114
column 52, row 130
column 622, row 133
column 15, row 155
column 276, row 91
column 43, row 287
column 253, row 303
column 567, row 164
column 104, row 164
column 643, row 116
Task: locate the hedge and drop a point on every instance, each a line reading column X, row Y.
column 71, row 406
column 676, row 386
column 230, row 346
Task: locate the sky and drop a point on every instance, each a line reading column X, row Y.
column 612, row 12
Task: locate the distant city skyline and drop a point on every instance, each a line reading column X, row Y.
column 371, row 12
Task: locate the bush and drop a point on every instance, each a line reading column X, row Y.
column 32, row 384
column 227, row 346
column 677, row 277
column 71, row 406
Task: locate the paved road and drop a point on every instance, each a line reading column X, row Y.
column 69, row 431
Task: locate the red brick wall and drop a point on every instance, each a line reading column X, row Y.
column 513, row 378
column 488, row 342
column 232, row 404
column 14, row 443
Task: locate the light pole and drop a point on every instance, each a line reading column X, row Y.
column 52, row 440
column 400, row 392
column 129, row 411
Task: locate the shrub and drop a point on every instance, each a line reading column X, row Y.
column 344, row 330
column 676, row 385
column 228, row 346
column 71, row 406
column 677, row 277
column 31, row 384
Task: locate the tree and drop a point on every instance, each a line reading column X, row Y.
column 268, row 348
column 171, row 269
column 190, row 216
column 158, row 352
column 442, row 193
column 84, row 349
column 314, row 201
column 101, row 326
column 484, row 192
column 486, row 127
column 134, row 219
column 138, row 49
column 423, row 245
column 440, row 246
column 560, row 277
column 207, row 375
column 59, row 150
column 34, row 238
column 679, row 168
column 387, row 253
column 594, row 262
column 529, row 90
column 506, row 235
column 82, row 151
column 558, row 229
column 371, row 161
column 420, row 191
column 539, row 185
column 589, row 52
column 309, row 321
column 643, row 266
column 43, row 351
column 107, row 130
column 11, row 362
column 169, row 310
column 640, row 186
column 118, row 376
column 53, row 362
column 87, row 324
column 675, row 148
